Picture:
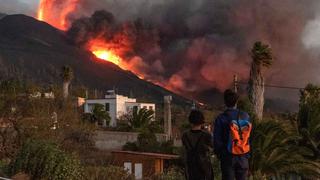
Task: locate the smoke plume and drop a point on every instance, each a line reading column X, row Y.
column 191, row 46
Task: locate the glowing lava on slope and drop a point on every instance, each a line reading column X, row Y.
column 106, row 51
column 107, row 55
column 56, row 12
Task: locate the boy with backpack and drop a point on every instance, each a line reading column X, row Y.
column 231, row 133
column 198, row 147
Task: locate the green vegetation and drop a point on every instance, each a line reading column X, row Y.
column 173, row 173
column 109, row 172
column 282, row 144
column 139, row 120
column 44, row 160
column 262, row 56
column 101, row 115
column 147, row 142
column 276, row 152
column 309, row 120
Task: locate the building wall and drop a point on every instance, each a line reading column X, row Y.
column 89, row 105
column 129, row 107
column 112, row 140
column 118, row 106
column 148, row 163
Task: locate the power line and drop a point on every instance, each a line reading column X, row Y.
column 276, row 86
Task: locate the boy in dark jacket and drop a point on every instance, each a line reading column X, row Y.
column 232, row 166
column 198, row 147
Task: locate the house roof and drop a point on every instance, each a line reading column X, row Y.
column 154, row 155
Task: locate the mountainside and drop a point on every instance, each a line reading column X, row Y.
column 2, row 15
column 35, row 51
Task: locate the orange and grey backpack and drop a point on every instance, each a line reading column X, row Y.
column 239, row 138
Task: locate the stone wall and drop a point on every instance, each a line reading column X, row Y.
column 113, row 140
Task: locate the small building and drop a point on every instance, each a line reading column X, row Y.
column 143, row 164
column 116, row 105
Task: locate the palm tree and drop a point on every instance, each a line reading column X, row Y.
column 309, row 119
column 261, row 57
column 100, row 114
column 67, row 76
column 141, row 118
column 275, row 152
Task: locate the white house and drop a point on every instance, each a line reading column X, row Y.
column 116, row 105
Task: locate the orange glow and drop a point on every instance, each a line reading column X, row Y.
column 56, row 12
column 107, row 55
column 106, row 51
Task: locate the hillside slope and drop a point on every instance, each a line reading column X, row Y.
column 36, row 51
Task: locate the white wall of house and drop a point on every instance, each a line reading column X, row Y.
column 116, row 105
column 112, row 109
column 150, row 106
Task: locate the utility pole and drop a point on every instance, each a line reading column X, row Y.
column 167, row 117
column 95, row 93
column 87, row 94
column 235, row 83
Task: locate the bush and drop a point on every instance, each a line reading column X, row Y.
column 43, row 160
column 4, row 168
column 171, row 174
column 109, row 173
column 147, row 142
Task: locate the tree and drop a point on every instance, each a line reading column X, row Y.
column 44, row 160
column 101, row 114
column 275, row 152
column 67, row 76
column 140, row 119
column 309, row 119
column 261, row 57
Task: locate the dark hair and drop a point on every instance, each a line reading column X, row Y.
column 230, row 98
column 196, row 117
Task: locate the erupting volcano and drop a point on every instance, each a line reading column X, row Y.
column 190, row 47
column 57, row 14
column 101, row 50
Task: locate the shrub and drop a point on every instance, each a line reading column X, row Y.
column 147, row 142
column 42, row 160
column 109, row 173
column 171, row 174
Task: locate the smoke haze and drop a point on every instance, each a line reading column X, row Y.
column 192, row 46
column 18, row 7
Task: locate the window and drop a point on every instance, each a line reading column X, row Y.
column 138, row 170
column 128, row 167
column 107, row 107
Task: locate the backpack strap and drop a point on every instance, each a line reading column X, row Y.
column 227, row 114
column 239, row 129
